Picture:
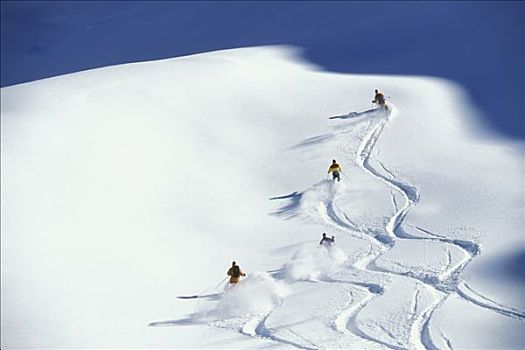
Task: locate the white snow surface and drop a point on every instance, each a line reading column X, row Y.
column 128, row 190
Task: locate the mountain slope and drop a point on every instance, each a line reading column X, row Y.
column 127, row 186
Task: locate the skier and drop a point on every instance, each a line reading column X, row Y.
column 327, row 241
column 335, row 169
column 235, row 273
column 379, row 98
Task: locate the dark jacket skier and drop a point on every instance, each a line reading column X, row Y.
column 327, row 241
column 379, row 98
column 235, row 273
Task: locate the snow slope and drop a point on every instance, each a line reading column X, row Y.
column 127, row 191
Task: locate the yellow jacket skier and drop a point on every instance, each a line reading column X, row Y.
column 335, row 169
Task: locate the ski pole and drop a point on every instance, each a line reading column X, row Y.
column 221, row 282
column 345, row 175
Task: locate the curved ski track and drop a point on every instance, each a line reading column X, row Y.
column 447, row 284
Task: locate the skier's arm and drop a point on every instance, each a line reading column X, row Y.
column 230, row 272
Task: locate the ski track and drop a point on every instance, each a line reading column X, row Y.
column 262, row 331
column 344, row 317
column 467, row 293
column 394, row 201
column 354, row 329
column 447, row 341
column 448, row 283
column 255, row 327
column 420, row 332
column 410, row 193
column 415, row 302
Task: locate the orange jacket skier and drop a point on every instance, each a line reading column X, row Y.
column 235, row 273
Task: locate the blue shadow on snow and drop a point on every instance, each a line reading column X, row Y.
column 480, row 45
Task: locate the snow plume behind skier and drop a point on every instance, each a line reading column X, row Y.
column 306, row 204
column 314, row 263
column 256, row 296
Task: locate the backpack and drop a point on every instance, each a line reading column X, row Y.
column 236, row 272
